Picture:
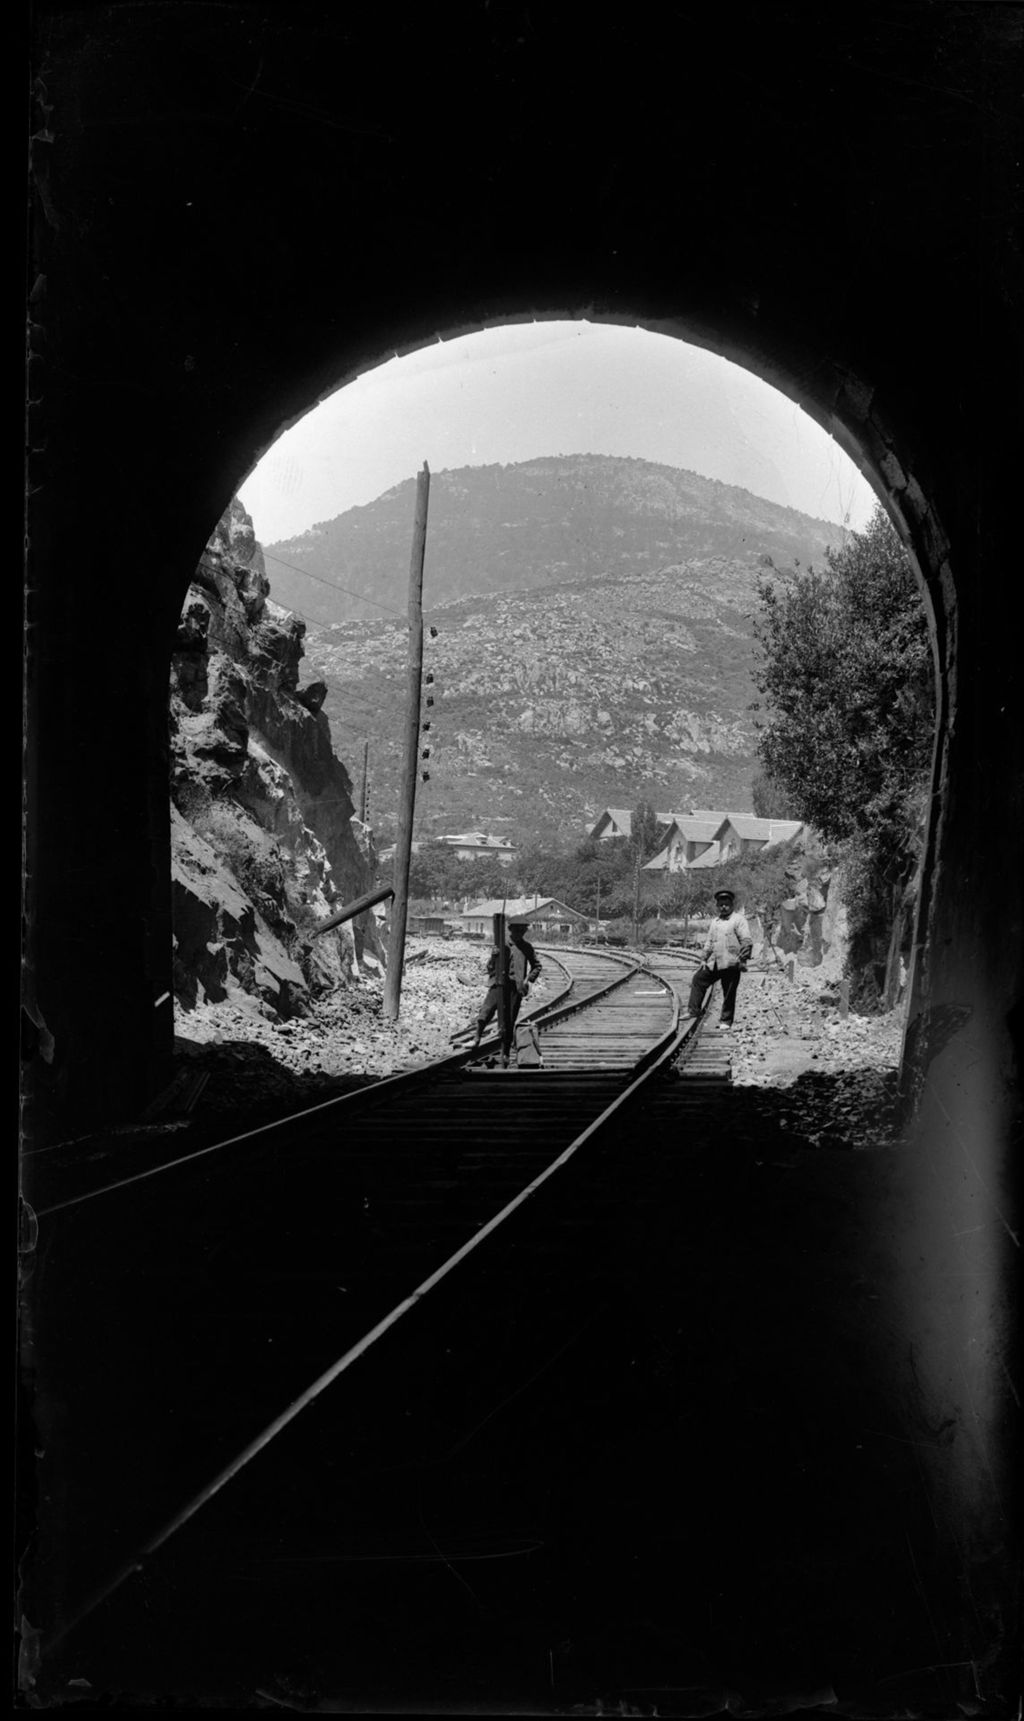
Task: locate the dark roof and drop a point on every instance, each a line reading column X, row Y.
column 767, row 830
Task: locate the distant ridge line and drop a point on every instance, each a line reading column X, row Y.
column 533, row 525
column 408, row 485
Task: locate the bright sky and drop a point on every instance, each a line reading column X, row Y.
column 519, row 391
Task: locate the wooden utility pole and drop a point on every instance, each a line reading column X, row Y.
column 366, row 772
column 407, row 805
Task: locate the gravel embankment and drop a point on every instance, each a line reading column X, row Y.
column 831, row 1082
column 252, row 1062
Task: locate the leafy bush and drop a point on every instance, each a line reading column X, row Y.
column 437, row 874
column 761, row 880
column 655, row 933
column 770, row 800
column 847, row 682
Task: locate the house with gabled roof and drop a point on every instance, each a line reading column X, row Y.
column 741, row 833
column 703, row 837
column 476, row 845
column 545, row 914
column 465, row 845
column 613, row 822
column 708, row 840
column 618, row 822
column 686, row 840
column 712, row 856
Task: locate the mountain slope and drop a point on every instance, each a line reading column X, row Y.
column 595, row 640
column 549, row 705
column 537, row 523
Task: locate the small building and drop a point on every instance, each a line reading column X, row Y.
column 618, row 822
column 427, row 925
column 704, row 840
column 466, row 845
column 545, row 915
column 686, row 840
column 474, row 845
column 712, row 856
column 614, row 822
column 741, row 834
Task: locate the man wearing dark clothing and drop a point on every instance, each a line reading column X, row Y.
column 725, row 955
column 519, row 969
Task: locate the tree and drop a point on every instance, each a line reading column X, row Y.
column 582, row 877
column 436, row 871
column 762, row 881
column 846, row 680
column 770, row 800
column 683, row 892
column 644, row 834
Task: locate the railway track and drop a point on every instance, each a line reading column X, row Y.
column 347, row 1416
column 236, row 1285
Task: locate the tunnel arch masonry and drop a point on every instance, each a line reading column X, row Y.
column 889, row 304
column 843, row 405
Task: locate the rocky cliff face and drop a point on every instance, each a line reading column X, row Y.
column 265, row 845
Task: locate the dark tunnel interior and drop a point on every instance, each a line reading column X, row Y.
column 235, row 208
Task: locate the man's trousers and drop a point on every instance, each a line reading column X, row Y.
column 489, row 1009
column 705, row 978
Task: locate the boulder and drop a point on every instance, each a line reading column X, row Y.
column 313, row 696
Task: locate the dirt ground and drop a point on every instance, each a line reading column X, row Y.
column 831, row 1080
column 706, row 1306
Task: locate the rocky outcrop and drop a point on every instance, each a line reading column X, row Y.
column 800, row 929
column 264, row 847
column 223, row 942
column 546, row 702
column 810, row 923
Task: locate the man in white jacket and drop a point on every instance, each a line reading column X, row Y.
column 725, row 954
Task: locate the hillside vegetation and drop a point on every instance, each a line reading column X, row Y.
column 845, row 669
column 536, row 523
column 616, row 659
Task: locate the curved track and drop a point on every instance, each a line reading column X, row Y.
column 240, row 1282
column 429, row 1404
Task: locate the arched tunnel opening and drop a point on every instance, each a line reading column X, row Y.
column 771, row 1351
column 847, row 235
column 284, row 578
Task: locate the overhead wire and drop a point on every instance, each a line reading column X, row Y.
column 332, row 584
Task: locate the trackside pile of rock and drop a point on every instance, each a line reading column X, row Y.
column 831, row 1081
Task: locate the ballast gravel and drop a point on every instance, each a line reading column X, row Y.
column 250, row 1059
column 830, row 1081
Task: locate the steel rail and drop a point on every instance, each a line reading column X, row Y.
column 555, row 1011
column 362, row 1098
column 657, row 1057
